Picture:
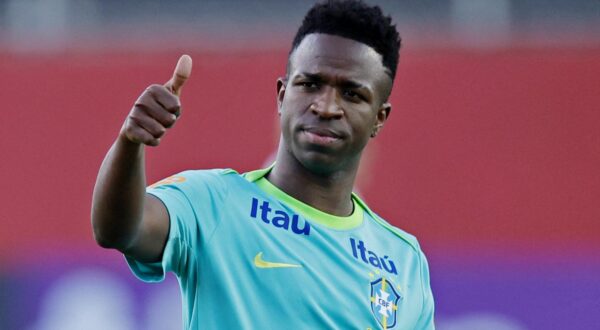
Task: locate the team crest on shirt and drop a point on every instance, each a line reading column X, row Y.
column 384, row 302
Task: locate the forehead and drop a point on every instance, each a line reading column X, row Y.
column 337, row 56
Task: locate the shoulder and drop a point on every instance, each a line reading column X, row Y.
column 404, row 237
column 211, row 177
column 214, row 183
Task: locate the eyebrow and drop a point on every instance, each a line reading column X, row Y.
column 319, row 78
column 311, row 76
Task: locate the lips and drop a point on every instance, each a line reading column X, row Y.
column 320, row 135
column 320, row 131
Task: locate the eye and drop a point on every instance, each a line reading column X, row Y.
column 308, row 84
column 353, row 96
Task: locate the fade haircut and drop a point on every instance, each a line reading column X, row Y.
column 353, row 19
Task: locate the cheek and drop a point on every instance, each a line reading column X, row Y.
column 364, row 121
column 285, row 122
column 291, row 109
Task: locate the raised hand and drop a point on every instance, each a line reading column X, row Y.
column 157, row 108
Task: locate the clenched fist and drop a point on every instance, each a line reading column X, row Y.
column 158, row 108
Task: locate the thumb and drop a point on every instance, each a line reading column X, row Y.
column 182, row 72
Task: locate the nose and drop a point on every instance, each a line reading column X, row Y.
column 327, row 104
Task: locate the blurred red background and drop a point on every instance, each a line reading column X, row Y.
column 485, row 151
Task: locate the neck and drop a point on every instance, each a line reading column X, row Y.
column 330, row 192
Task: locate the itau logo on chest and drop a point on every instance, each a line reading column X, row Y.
column 278, row 218
column 361, row 252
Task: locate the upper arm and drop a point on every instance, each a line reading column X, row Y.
column 152, row 235
column 179, row 212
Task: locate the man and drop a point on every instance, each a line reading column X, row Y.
column 290, row 245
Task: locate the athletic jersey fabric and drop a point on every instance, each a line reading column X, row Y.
column 249, row 256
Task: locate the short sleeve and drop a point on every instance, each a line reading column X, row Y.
column 426, row 319
column 193, row 200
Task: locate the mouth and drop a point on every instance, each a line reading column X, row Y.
column 322, row 136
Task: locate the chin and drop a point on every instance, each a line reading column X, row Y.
column 320, row 160
column 321, row 164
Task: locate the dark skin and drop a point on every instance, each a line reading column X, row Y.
column 331, row 103
column 123, row 216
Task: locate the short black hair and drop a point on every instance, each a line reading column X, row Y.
column 353, row 19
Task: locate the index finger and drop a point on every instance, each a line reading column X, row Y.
column 182, row 72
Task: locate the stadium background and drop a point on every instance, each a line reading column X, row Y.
column 490, row 157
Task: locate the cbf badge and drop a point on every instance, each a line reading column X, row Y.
column 384, row 302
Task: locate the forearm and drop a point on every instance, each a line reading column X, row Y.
column 118, row 200
column 122, row 216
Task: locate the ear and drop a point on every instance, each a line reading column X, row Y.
column 281, row 81
column 382, row 115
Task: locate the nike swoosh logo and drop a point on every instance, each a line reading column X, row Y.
column 260, row 263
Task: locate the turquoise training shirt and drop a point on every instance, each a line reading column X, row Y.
column 249, row 256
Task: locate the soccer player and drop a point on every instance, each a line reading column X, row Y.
column 289, row 246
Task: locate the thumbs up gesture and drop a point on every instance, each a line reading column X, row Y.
column 157, row 108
